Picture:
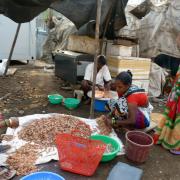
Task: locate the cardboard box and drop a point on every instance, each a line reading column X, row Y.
column 142, row 84
column 83, row 44
column 140, row 68
column 118, row 50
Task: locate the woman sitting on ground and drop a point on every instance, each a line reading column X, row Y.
column 132, row 109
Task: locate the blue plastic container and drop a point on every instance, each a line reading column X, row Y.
column 44, row 175
column 99, row 105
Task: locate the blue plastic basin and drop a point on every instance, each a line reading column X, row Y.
column 44, row 175
column 99, row 105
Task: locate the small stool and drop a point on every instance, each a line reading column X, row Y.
column 78, row 94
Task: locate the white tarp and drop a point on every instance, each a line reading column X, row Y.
column 50, row 153
column 157, row 31
column 58, row 36
column 157, row 80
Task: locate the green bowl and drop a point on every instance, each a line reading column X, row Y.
column 55, row 98
column 108, row 140
column 71, row 103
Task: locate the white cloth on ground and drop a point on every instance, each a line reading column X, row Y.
column 51, row 153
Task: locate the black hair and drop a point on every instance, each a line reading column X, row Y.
column 102, row 60
column 125, row 77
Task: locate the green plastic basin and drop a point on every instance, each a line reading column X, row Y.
column 71, row 103
column 108, row 140
column 55, row 98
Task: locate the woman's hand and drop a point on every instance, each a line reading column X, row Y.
column 108, row 122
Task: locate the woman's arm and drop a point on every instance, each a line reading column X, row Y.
column 130, row 121
column 132, row 110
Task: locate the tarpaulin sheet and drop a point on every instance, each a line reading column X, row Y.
column 22, row 11
column 80, row 12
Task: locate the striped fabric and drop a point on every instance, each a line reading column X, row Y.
column 168, row 131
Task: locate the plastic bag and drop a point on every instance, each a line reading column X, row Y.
column 3, row 65
column 147, row 111
column 122, row 171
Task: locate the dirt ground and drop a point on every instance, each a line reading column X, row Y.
column 26, row 92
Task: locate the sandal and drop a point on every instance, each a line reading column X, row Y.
column 6, row 173
column 4, row 148
column 2, row 171
column 176, row 152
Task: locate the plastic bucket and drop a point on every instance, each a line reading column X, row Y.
column 71, row 103
column 108, row 140
column 44, row 175
column 55, row 98
column 99, row 105
column 138, row 146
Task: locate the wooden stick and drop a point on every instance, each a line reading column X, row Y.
column 98, row 16
column 12, row 48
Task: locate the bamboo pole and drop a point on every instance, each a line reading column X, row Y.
column 12, row 48
column 98, row 16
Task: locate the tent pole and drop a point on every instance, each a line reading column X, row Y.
column 98, row 16
column 12, row 48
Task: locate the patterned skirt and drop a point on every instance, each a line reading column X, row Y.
column 168, row 130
